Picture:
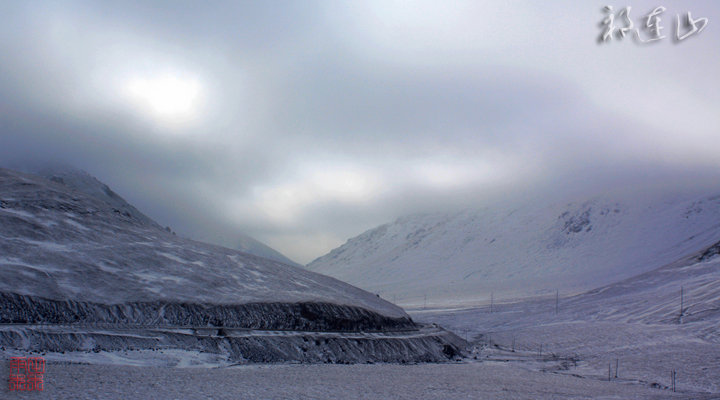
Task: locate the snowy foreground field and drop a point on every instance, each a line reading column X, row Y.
column 468, row 380
column 633, row 326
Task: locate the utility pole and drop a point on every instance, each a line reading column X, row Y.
column 682, row 300
column 617, row 362
column 491, row 301
column 672, row 376
column 557, row 300
column 425, row 302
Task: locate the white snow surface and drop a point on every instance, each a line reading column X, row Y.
column 637, row 322
column 529, row 250
column 86, row 183
column 60, row 243
column 328, row 381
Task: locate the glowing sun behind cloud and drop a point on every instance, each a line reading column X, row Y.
column 170, row 99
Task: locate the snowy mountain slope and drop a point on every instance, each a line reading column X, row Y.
column 525, row 251
column 79, row 274
column 649, row 299
column 685, row 292
column 250, row 245
column 61, row 244
column 82, row 181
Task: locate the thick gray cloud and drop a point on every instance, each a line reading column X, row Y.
column 305, row 123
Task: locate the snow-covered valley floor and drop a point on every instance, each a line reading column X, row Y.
column 510, row 358
column 467, row 380
column 643, row 355
column 555, row 360
column 634, row 326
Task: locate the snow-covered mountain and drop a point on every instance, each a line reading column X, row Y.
column 88, row 184
column 105, row 278
column 528, row 250
column 83, row 182
column 59, row 243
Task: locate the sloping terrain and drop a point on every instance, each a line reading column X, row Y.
column 68, row 258
column 527, row 250
column 686, row 292
column 637, row 321
column 84, row 182
column 253, row 246
column 81, row 181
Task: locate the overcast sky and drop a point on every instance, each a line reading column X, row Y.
column 305, row 123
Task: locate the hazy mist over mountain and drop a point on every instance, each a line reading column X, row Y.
column 306, row 124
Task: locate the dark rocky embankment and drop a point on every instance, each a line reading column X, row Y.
column 242, row 333
column 425, row 345
column 15, row 308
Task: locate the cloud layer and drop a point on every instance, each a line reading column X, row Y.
column 309, row 122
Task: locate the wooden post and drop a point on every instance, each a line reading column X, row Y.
column 513, row 345
column 557, row 300
column 492, row 295
column 608, row 372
